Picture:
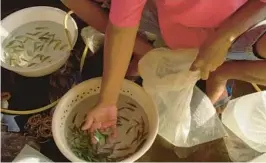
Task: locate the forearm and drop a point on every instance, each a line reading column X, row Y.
column 90, row 13
column 249, row 71
column 94, row 15
column 119, row 43
column 253, row 12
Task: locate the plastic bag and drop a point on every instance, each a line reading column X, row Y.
column 238, row 150
column 261, row 158
column 93, row 38
column 29, row 154
column 245, row 117
column 187, row 116
column 12, row 144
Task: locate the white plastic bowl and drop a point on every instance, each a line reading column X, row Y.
column 90, row 88
column 39, row 13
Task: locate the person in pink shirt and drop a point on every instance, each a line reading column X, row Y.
column 212, row 26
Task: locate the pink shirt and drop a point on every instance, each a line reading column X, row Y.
column 183, row 23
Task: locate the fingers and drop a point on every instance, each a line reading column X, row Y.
column 111, row 125
column 205, row 68
column 205, row 71
column 114, row 134
column 114, row 131
column 93, row 139
column 88, row 123
column 213, row 68
column 108, row 124
column 95, row 126
column 102, row 129
column 196, row 65
column 204, row 75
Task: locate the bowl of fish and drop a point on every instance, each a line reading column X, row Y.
column 137, row 124
column 34, row 41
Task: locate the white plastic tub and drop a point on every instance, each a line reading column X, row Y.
column 39, row 13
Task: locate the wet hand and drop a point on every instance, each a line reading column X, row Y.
column 101, row 118
column 211, row 55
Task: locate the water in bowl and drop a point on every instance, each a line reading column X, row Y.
column 132, row 125
column 34, row 43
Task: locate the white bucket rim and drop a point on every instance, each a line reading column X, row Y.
column 64, row 54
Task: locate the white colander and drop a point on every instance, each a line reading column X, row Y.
column 92, row 87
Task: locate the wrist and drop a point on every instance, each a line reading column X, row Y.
column 223, row 38
column 105, row 105
column 229, row 30
column 107, row 100
column 227, row 36
column 109, row 96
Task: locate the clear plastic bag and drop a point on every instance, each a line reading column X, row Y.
column 238, row 150
column 13, row 143
column 93, row 38
column 245, row 117
column 187, row 116
column 261, row 158
column 29, row 154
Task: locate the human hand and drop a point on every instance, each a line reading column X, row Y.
column 102, row 118
column 211, row 55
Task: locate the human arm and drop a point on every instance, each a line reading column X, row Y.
column 213, row 52
column 119, row 42
column 89, row 12
column 120, row 36
column 94, row 15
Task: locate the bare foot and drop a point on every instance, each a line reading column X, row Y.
column 216, row 88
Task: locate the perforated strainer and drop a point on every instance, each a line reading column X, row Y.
column 83, row 93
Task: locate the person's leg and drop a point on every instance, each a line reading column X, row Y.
column 249, row 71
column 149, row 30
